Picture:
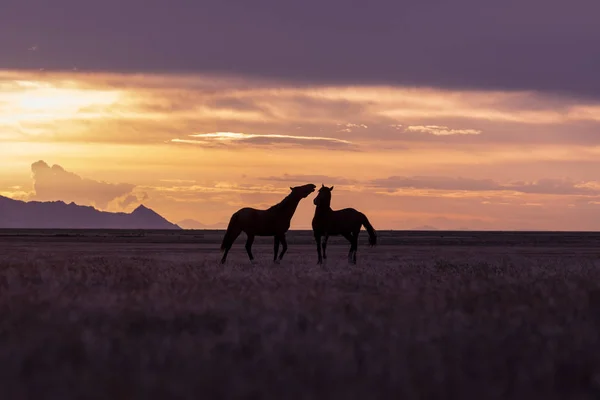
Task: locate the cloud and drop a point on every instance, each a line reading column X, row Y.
column 438, row 46
column 316, row 179
column 349, row 127
column 556, row 186
column 216, row 188
column 133, row 199
column 441, row 130
column 232, row 138
column 434, row 182
column 55, row 183
column 542, row 186
column 126, row 109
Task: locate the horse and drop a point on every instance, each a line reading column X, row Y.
column 274, row 221
column 346, row 222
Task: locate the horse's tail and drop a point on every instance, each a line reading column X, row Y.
column 370, row 231
column 232, row 232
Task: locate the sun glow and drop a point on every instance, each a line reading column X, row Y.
column 63, row 100
column 48, row 103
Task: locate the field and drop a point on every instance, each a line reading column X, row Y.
column 152, row 315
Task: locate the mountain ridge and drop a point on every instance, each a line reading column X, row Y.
column 57, row 214
column 193, row 224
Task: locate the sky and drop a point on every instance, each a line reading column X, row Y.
column 456, row 115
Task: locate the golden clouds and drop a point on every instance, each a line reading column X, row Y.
column 441, row 130
column 26, row 106
column 201, row 145
column 232, row 138
column 154, row 109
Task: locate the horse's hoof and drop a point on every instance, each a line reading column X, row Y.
column 276, row 261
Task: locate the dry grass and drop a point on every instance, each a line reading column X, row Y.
column 134, row 321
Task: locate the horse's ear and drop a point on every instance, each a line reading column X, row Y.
column 322, row 185
column 331, row 188
column 291, row 188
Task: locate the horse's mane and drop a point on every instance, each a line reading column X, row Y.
column 282, row 203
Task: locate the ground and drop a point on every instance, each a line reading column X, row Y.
column 153, row 315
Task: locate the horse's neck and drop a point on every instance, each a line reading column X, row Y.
column 291, row 206
column 288, row 206
column 323, row 210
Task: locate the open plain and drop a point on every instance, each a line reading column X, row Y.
column 152, row 314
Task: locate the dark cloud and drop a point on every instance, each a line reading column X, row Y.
column 316, row 179
column 542, row 186
column 536, row 44
column 235, row 103
column 55, row 183
column 553, row 186
column 434, row 182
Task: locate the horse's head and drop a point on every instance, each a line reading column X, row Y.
column 304, row 190
column 324, row 196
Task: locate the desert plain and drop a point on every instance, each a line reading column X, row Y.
column 436, row 315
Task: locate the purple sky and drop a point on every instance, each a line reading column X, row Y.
column 545, row 45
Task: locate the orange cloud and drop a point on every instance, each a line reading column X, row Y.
column 55, row 183
column 542, row 186
column 200, row 146
column 441, row 130
column 231, row 138
column 154, row 109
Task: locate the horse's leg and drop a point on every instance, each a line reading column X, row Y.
column 224, row 258
column 325, row 238
column 349, row 238
column 355, row 244
column 318, row 240
column 249, row 242
column 234, row 235
column 275, row 247
column 285, row 247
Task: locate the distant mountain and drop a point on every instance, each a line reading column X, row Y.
column 193, row 224
column 59, row 215
column 425, row 228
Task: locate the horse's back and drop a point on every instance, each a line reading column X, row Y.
column 348, row 213
column 249, row 212
column 338, row 222
column 260, row 222
column 246, row 210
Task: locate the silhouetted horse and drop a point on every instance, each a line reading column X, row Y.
column 346, row 222
column 272, row 222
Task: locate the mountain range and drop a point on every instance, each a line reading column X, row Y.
column 193, row 224
column 424, row 228
column 60, row 215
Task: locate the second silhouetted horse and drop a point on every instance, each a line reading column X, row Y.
column 274, row 221
column 346, row 222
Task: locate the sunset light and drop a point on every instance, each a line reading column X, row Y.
column 30, row 105
column 146, row 131
column 63, row 101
